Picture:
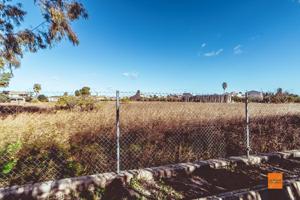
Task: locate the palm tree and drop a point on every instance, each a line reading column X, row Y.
column 37, row 88
column 224, row 86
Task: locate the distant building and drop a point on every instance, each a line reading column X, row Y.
column 53, row 98
column 137, row 97
column 174, row 97
column 255, row 95
column 186, row 96
column 214, row 98
column 102, row 98
column 237, row 94
column 17, row 96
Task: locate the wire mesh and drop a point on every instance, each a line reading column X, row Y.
column 274, row 127
column 56, row 137
column 157, row 129
column 63, row 135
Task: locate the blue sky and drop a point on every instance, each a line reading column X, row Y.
column 172, row 46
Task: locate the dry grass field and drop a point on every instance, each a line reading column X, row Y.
column 63, row 143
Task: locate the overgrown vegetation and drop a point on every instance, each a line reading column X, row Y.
column 82, row 100
column 75, row 142
column 279, row 96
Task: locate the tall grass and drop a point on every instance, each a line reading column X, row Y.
column 60, row 143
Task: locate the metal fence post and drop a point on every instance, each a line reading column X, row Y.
column 247, row 124
column 118, row 129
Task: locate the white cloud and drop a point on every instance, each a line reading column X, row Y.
column 213, row 53
column 204, row 44
column 132, row 75
column 237, row 50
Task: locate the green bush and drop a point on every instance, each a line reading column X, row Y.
column 43, row 98
column 125, row 100
column 281, row 98
column 67, row 102
column 237, row 99
column 9, row 157
column 84, row 103
column 4, row 98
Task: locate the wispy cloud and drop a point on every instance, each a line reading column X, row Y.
column 213, row 53
column 132, row 75
column 203, row 45
column 237, row 50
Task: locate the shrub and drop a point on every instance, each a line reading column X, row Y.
column 4, row 98
column 67, row 102
column 28, row 98
column 85, row 91
column 125, row 100
column 9, row 158
column 34, row 101
column 86, row 103
column 43, row 98
column 237, row 99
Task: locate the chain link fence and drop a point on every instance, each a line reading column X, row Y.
column 157, row 131
column 62, row 135
column 274, row 127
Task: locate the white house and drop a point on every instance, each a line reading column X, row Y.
column 17, row 96
column 255, row 95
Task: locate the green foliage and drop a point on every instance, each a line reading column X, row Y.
column 85, row 91
column 5, row 78
column 37, row 88
column 67, row 102
column 10, row 153
column 8, row 167
column 137, row 186
column 84, row 103
column 237, row 99
column 4, row 98
column 77, row 93
column 281, row 97
column 75, row 167
column 16, row 38
column 43, row 98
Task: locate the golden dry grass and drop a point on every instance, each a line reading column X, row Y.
column 58, row 126
column 62, row 143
